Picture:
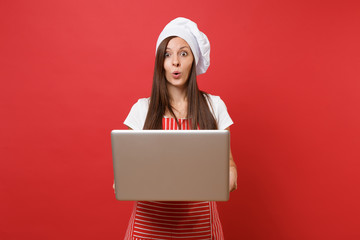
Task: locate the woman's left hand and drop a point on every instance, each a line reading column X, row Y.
column 232, row 179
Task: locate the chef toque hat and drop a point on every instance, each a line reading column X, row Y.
column 198, row 42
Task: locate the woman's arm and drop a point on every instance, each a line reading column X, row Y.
column 233, row 171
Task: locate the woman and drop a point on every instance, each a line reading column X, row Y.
column 182, row 52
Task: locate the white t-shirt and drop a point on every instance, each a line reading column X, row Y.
column 136, row 118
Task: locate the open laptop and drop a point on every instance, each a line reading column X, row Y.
column 171, row 165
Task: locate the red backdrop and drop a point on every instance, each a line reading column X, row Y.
column 287, row 70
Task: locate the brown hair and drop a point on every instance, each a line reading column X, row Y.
column 198, row 109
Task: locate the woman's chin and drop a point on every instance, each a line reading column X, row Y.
column 176, row 83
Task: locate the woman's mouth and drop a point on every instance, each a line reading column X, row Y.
column 176, row 74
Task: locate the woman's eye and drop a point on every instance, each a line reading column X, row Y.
column 167, row 54
column 183, row 54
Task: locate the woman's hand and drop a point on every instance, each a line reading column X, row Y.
column 233, row 179
column 232, row 173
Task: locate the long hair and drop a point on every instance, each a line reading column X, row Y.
column 198, row 111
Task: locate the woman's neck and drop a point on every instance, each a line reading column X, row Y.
column 178, row 101
column 177, row 95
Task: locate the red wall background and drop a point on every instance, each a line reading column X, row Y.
column 289, row 72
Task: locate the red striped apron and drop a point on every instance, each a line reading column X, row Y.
column 174, row 220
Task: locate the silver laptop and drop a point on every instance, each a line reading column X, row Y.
column 171, row 165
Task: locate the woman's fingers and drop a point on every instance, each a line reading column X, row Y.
column 232, row 180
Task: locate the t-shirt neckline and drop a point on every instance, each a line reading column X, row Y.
column 174, row 118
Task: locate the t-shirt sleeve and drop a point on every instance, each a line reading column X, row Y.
column 221, row 114
column 137, row 115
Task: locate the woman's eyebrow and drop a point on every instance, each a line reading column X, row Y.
column 179, row 48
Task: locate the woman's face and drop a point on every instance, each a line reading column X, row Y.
column 178, row 62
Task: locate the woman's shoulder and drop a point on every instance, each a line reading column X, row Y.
column 142, row 103
column 136, row 118
column 219, row 111
column 140, row 108
column 216, row 103
column 213, row 99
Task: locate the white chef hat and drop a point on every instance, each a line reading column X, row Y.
column 198, row 42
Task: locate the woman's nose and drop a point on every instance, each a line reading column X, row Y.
column 176, row 62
